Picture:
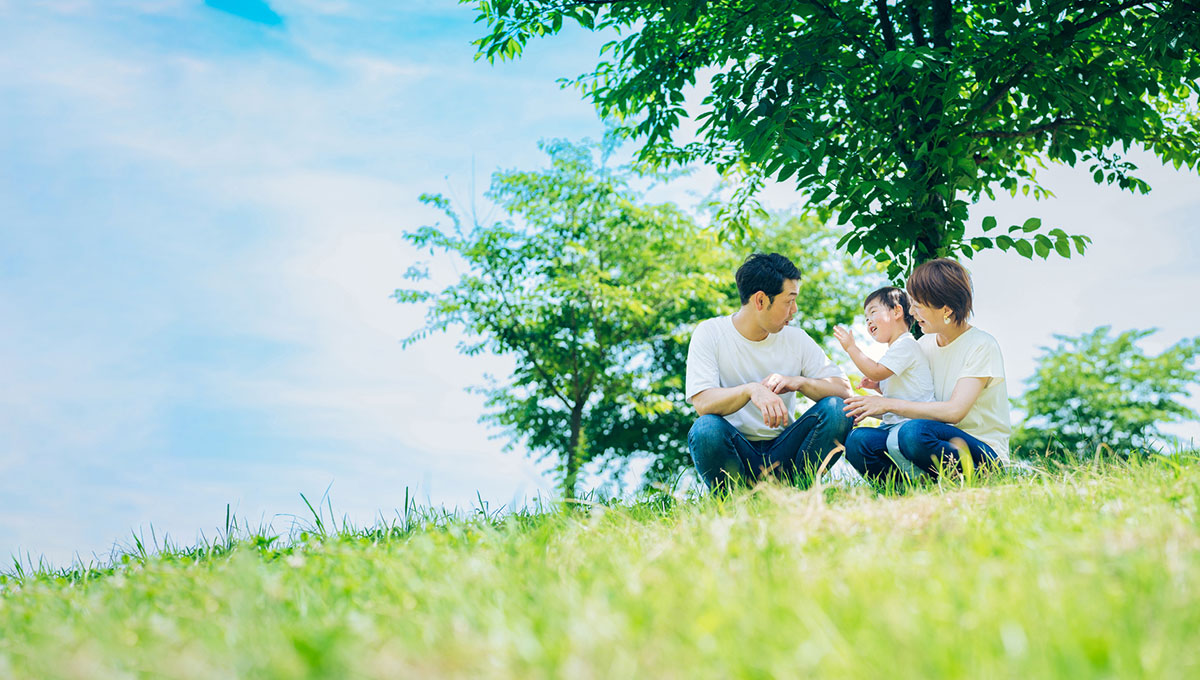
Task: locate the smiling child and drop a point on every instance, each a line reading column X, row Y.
column 903, row 371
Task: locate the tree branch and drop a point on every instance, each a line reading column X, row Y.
column 1068, row 34
column 914, row 24
column 863, row 44
column 941, row 24
column 885, row 24
column 1007, row 134
column 1111, row 12
column 513, row 314
column 1004, row 87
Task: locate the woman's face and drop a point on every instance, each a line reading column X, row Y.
column 930, row 319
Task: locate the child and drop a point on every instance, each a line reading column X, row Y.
column 903, row 371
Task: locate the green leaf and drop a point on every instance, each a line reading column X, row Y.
column 989, row 223
column 1024, row 248
column 1032, row 224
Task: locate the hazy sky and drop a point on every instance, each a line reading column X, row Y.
column 201, row 211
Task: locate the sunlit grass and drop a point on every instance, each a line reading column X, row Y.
column 1090, row 570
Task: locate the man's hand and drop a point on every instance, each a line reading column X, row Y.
column 844, row 338
column 774, row 411
column 782, row 384
column 868, row 384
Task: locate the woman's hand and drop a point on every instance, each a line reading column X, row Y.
column 843, row 337
column 858, row 407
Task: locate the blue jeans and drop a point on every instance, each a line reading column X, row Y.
column 923, row 447
column 722, row 455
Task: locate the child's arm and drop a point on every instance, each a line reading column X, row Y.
column 870, row 368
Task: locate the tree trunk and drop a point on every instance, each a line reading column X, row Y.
column 574, row 452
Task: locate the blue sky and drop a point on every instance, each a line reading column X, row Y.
column 201, row 209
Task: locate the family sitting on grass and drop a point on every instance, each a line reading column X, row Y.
column 942, row 397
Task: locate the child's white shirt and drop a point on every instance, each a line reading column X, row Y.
column 911, row 379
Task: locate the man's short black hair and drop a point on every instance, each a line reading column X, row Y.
column 766, row 273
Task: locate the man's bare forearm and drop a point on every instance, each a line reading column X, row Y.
column 721, row 401
column 819, row 388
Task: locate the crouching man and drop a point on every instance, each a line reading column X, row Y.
column 743, row 373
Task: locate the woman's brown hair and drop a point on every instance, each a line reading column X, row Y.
column 942, row 283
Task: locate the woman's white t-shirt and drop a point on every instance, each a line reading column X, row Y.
column 911, row 379
column 974, row 354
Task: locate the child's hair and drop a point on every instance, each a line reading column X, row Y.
column 890, row 296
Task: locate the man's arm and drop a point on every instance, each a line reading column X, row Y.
column 722, row 401
column 813, row 388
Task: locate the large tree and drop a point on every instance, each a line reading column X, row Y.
column 898, row 114
column 593, row 293
column 1100, row 388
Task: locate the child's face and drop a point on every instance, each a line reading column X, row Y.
column 884, row 323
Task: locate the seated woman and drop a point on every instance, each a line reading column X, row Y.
column 971, row 400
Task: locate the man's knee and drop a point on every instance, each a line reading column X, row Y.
column 833, row 411
column 708, row 440
column 707, row 429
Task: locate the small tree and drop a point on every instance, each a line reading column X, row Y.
column 896, row 114
column 577, row 288
column 1103, row 389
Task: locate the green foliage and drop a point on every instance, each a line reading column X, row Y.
column 896, row 115
column 1091, row 573
column 1103, row 389
column 595, row 295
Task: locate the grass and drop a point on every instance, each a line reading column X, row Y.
column 1089, row 571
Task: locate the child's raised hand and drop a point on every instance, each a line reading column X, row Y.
column 843, row 337
column 868, row 384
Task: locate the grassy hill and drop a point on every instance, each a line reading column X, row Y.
column 1087, row 572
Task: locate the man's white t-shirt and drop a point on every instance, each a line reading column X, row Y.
column 911, row 379
column 720, row 356
column 974, row 354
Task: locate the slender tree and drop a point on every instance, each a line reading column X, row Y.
column 575, row 287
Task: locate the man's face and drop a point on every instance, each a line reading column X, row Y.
column 779, row 312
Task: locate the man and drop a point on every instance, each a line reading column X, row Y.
column 743, row 373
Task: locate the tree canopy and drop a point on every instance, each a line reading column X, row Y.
column 895, row 114
column 1099, row 388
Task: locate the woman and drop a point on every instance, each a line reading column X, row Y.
column 970, row 399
